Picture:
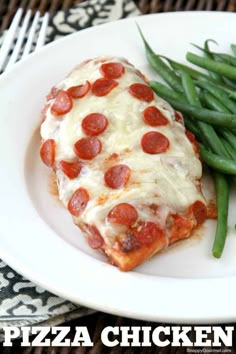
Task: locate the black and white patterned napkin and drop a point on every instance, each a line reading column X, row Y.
column 21, row 301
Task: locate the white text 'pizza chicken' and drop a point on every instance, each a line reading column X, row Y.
column 127, row 170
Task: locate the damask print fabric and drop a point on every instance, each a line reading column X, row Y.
column 21, row 301
column 89, row 13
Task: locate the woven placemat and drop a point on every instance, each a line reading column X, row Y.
column 8, row 8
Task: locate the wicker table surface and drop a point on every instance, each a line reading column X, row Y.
column 95, row 323
column 8, row 7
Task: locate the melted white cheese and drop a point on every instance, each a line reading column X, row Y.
column 167, row 179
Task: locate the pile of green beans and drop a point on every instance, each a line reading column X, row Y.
column 207, row 100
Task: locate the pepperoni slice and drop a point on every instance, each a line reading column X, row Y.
column 79, row 91
column 62, row 104
column 153, row 117
column 117, row 176
column 190, row 136
column 193, row 140
column 87, row 148
column 142, row 92
column 70, row 169
column 180, row 228
column 78, row 201
column 95, row 239
column 94, row 124
column 154, row 143
column 102, row 87
column 124, row 214
column 47, row 152
column 200, row 211
column 112, row 70
column 179, row 118
column 147, row 232
column 52, row 93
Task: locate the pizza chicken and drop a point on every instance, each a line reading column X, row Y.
column 127, row 170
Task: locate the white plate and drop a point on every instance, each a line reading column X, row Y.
column 38, row 239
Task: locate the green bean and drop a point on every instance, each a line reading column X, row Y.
column 231, row 138
column 160, row 67
column 225, row 58
column 206, row 47
column 198, row 75
column 229, row 148
column 161, row 90
column 191, row 125
column 209, row 55
column 233, row 130
column 222, row 200
column 226, row 133
column 209, row 136
column 202, row 99
column 190, row 90
column 195, row 74
column 222, row 86
column 214, row 103
column 232, row 95
column 233, row 47
column 209, row 64
column 210, row 40
column 212, row 140
column 205, row 115
column 217, row 162
column 220, row 57
column 217, row 92
column 228, row 59
column 230, row 83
